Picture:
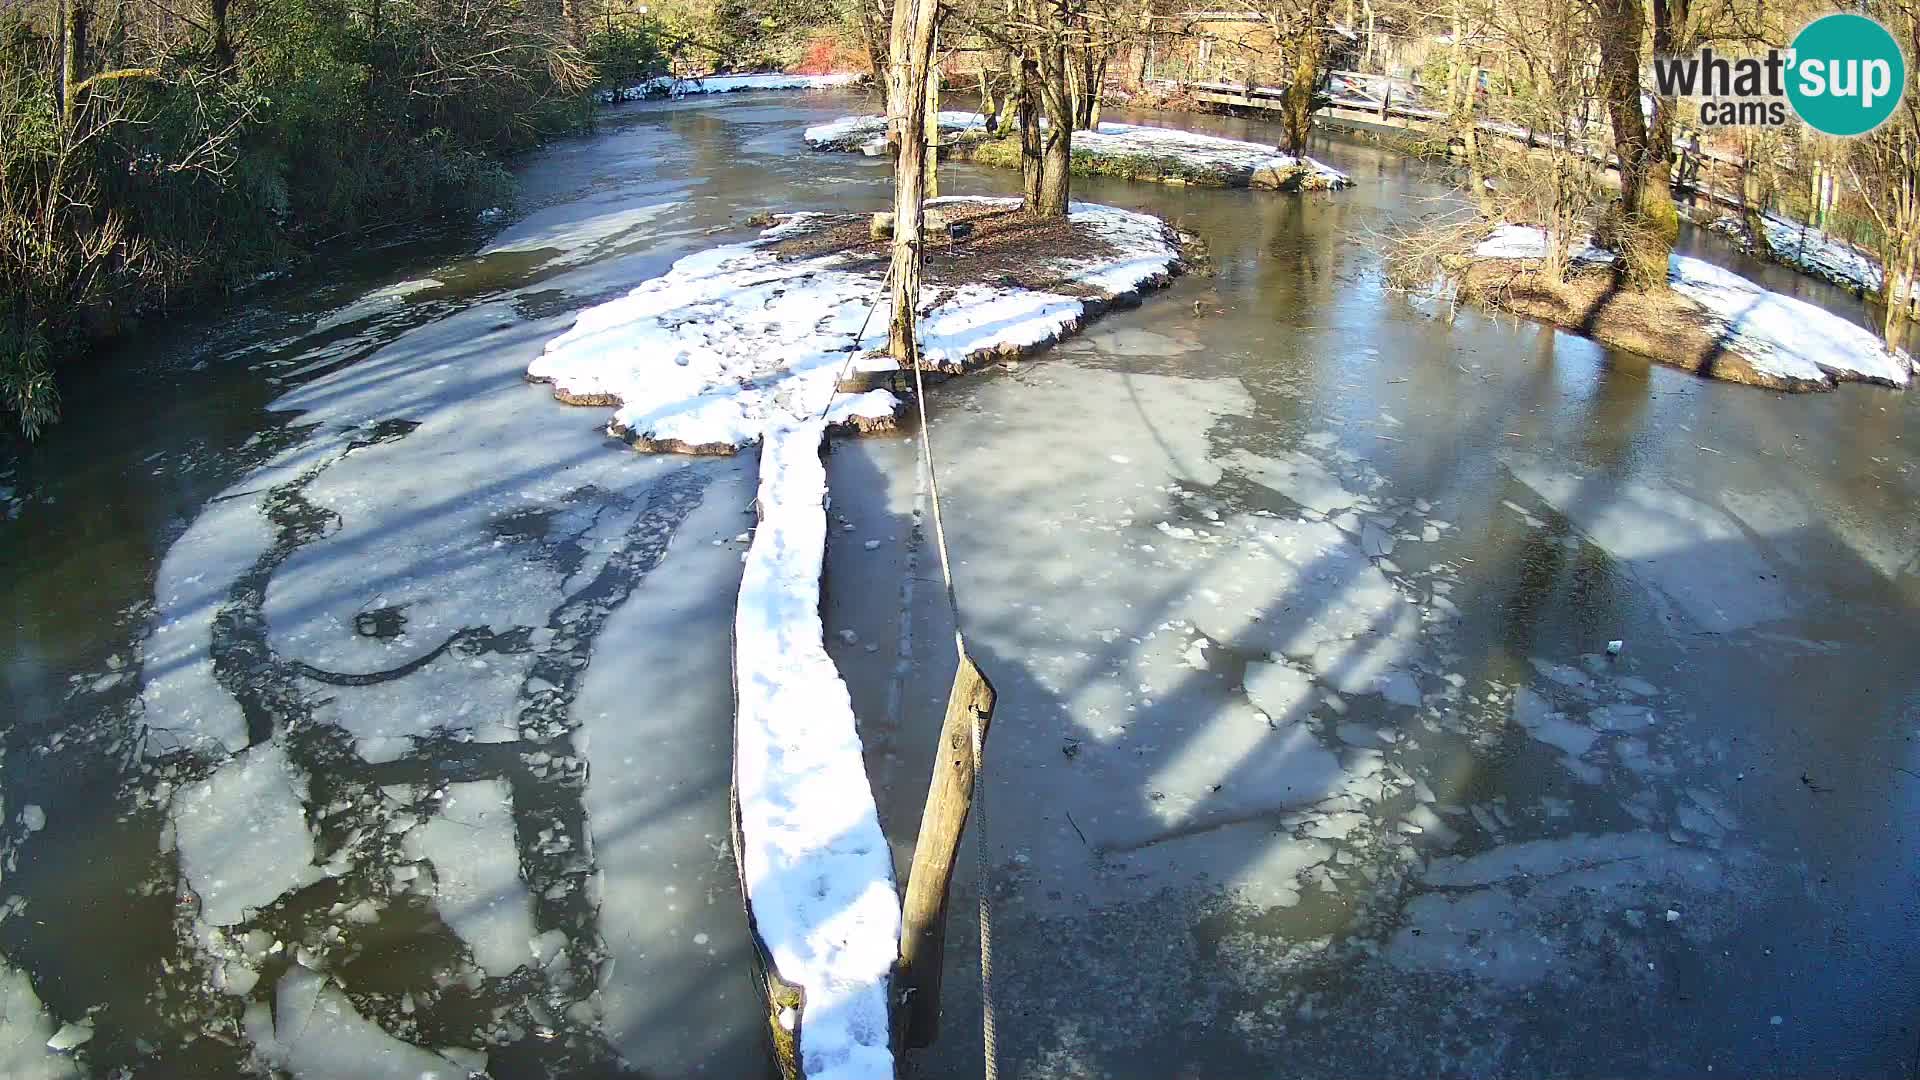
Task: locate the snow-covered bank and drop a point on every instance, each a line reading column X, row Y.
column 1787, row 343
column 1810, row 251
column 743, row 343
column 817, row 869
column 1164, row 155
column 669, row 86
column 733, row 341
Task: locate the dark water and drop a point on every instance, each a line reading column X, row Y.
column 1462, row 868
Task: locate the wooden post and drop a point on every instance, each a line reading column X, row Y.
column 923, row 925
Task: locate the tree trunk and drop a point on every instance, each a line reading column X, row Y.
column 1308, row 52
column 222, row 35
column 1025, row 97
column 911, row 50
column 1644, row 223
column 1669, row 39
column 873, row 32
column 63, row 87
column 1056, row 142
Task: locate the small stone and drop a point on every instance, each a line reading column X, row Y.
column 873, row 545
column 849, row 637
column 1672, row 915
column 1777, row 1021
column 1614, row 647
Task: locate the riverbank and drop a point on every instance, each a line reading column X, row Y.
column 1159, row 155
column 1708, row 321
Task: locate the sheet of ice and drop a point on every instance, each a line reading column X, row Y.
column 243, row 836
column 469, row 697
column 819, row 874
column 380, row 301
column 735, row 339
column 1783, row 337
column 1691, row 551
column 1177, row 775
column 25, row 1028
column 576, row 230
column 182, row 704
column 655, row 732
column 1110, row 140
column 476, row 868
column 313, row 1033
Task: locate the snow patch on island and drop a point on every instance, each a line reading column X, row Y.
column 1189, row 149
column 1780, row 336
column 669, row 86
column 1811, row 251
column 735, row 340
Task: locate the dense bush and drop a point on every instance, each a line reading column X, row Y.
column 179, row 155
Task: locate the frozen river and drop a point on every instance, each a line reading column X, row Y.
column 370, row 710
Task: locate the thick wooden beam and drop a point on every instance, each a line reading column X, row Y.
column 923, row 925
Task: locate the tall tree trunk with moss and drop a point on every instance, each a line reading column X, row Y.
column 1306, row 60
column 1056, row 139
column 1643, row 224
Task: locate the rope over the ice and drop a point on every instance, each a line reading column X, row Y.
column 988, row 1047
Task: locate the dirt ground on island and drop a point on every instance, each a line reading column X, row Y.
column 999, row 245
column 1660, row 324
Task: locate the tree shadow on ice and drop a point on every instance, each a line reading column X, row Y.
column 1138, row 873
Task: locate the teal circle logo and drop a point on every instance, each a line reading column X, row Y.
column 1847, row 73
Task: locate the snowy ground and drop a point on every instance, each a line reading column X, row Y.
column 669, row 86
column 734, row 340
column 1250, row 163
column 735, row 345
column 1812, row 251
column 1781, row 336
